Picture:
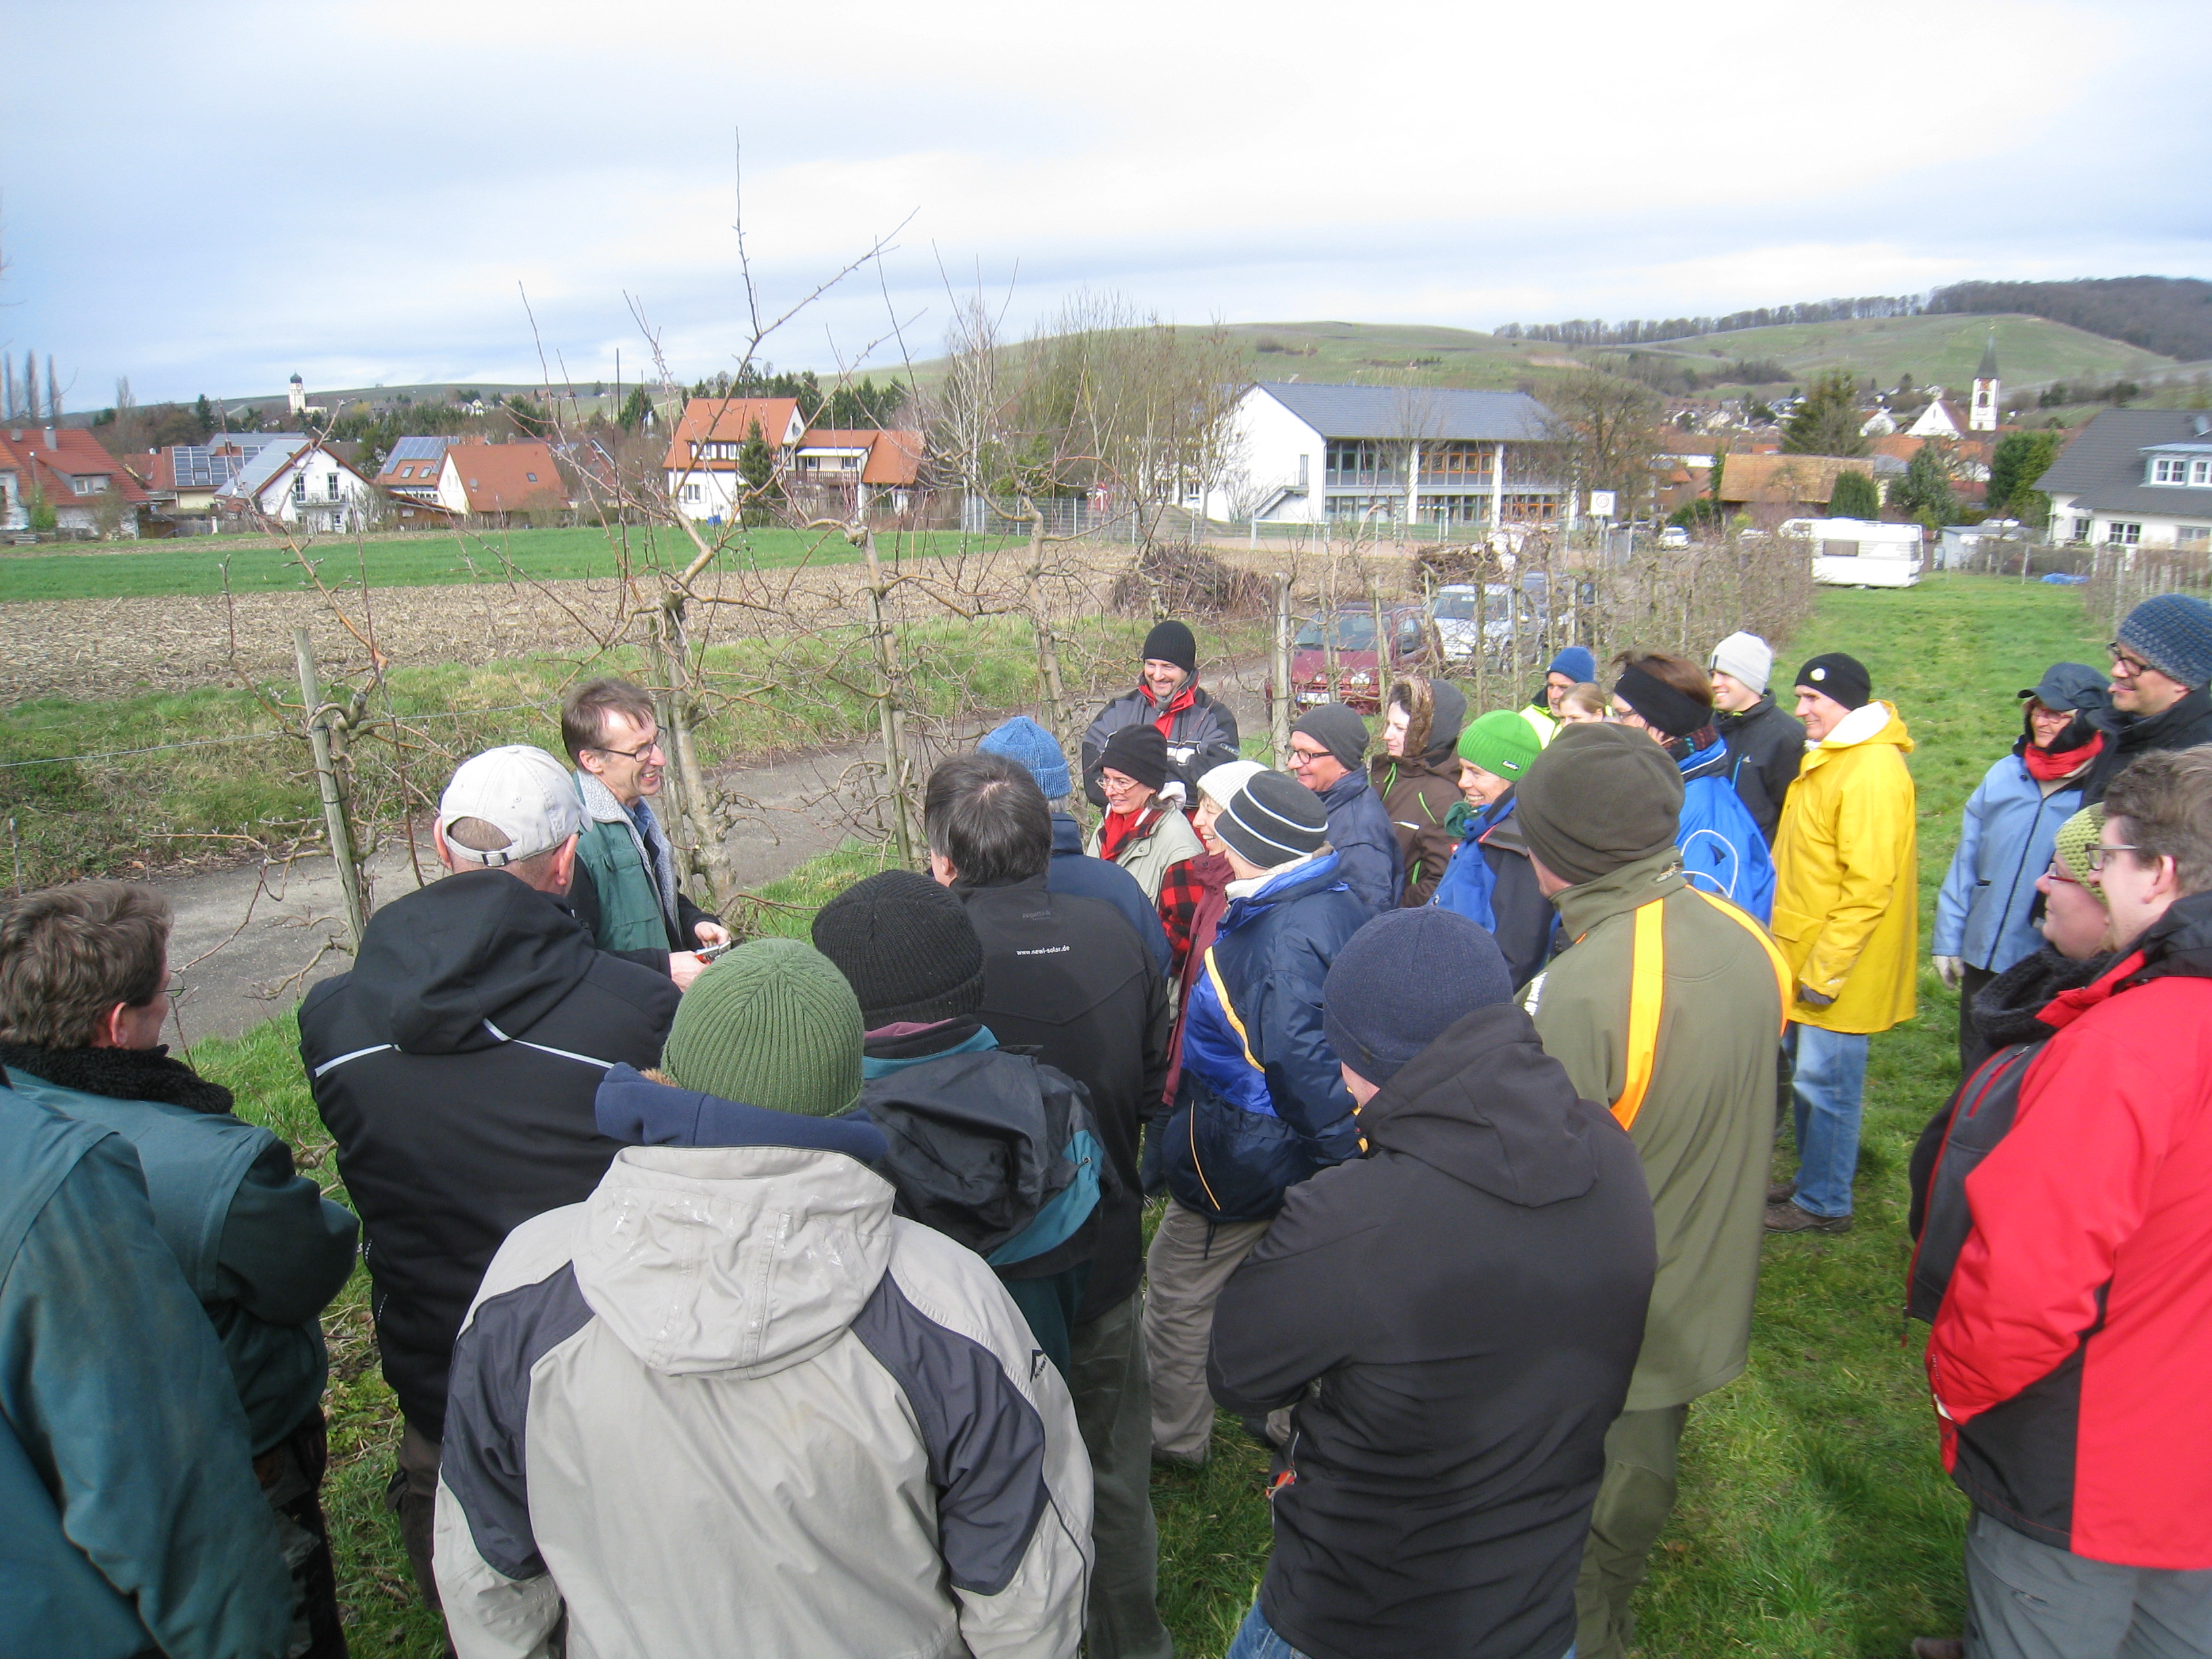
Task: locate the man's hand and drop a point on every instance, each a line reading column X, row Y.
column 1950, row 971
column 1813, row 999
column 685, row 966
column 711, row 934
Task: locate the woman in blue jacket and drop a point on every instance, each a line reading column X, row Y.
column 1983, row 912
column 1490, row 880
column 1723, row 850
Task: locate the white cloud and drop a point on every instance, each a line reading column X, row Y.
column 357, row 190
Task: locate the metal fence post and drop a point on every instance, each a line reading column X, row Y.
column 1282, row 702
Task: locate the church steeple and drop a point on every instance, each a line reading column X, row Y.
column 1982, row 416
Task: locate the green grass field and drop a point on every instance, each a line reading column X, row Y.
column 256, row 564
column 1814, row 1519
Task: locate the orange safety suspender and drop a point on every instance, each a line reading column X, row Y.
column 1647, row 984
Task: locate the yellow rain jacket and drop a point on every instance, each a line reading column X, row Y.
column 1846, row 870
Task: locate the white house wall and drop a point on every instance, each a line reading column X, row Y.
column 700, row 494
column 1266, row 451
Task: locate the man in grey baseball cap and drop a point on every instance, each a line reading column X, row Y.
column 456, row 1066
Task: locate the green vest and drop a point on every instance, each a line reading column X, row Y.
column 630, row 917
column 193, row 1163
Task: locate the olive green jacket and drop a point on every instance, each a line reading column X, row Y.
column 1705, row 1126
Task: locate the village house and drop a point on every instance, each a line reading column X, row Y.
column 1308, row 454
column 501, row 483
column 66, row 470
column 831, row 472
column 1771, row 487
column 412, row 469
column 2135, row 477
column 300, row 484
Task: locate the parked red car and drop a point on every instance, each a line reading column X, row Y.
column 1357, row 683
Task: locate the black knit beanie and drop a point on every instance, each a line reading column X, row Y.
column 1171, row 641
column 1597, row 798
column 1402, row 981
column 907, row 948
column 1139, row 751
column 1835, row 675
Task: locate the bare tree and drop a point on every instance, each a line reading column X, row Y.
column 1604, row 432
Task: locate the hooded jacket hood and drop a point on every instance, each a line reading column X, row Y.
column 1486, row 1105
column 1873, row 722
column 1438, row 741
column 476, row 946
column 738, row 1259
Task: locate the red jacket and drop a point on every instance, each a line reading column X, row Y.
column 2071, row 1361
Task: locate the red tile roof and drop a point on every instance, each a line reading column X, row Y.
column 726, row 421
column 507, row 477
column 894, row 458
column 73, row 453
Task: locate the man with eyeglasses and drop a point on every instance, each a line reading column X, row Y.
column 1328, row 754
column 2067, row 1360
column 626, row 889
column 2161, row 665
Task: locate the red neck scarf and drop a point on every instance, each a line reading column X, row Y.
column 2050, row 765
column 1184, row 698
column 1120, row 829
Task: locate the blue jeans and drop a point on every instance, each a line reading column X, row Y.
column 1256, row 1639
column 1830, row 1079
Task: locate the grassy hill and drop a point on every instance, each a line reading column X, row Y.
column 1943, row 350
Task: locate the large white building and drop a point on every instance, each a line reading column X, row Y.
column 1306, row 454
column 2135, row 477
column 297, row 482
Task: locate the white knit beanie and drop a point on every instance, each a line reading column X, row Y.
column 1745, row 656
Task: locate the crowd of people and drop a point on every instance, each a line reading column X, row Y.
column 795, row 1298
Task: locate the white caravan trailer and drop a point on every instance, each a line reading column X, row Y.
column 1860, row 553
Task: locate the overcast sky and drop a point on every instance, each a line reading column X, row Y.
column 208, row 198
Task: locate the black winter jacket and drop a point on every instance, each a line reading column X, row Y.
column 456, row 1066
column 1766, row 747
column 2128, row 737
column 1367, row 842
column 1066, row 980
column 1200, row 739
column 1457, row 1314
column 1075, row 871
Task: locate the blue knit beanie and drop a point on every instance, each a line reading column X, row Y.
column 1030, row 746
column 2173, row 634
column 1577, row 663
column 1404, row 978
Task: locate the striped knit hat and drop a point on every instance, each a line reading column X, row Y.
column 773, row 1023
column 1273, row 820
column 2075, row 837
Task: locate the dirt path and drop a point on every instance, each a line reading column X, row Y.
column 245, row 951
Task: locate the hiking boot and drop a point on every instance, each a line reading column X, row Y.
column 1788, row 1217
column 1938, row 1647
column 1782, row 1191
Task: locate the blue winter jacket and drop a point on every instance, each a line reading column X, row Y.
column 1722, row 851
column 1469, row 884
column 1262, row 1104
column 2010, row 832
column 1367, row 842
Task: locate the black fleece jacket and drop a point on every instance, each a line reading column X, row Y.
column 1766, row 746
column 456, row 1066
column 1066, row 980
column 2128, row 736
column 1457, row 1313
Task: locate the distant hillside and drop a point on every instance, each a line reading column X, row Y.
column 2170, row 315
column 1940, row 351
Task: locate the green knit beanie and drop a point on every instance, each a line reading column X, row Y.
column 1501, row 742
column 2075, row 837
column 773, row 1023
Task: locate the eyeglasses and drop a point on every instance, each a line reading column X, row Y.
column 2099, row 854
column 652, row 745
column 2058, row 871
column 2126, row 662
column 1306, row 757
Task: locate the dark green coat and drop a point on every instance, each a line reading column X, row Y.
column 1706, row 1128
